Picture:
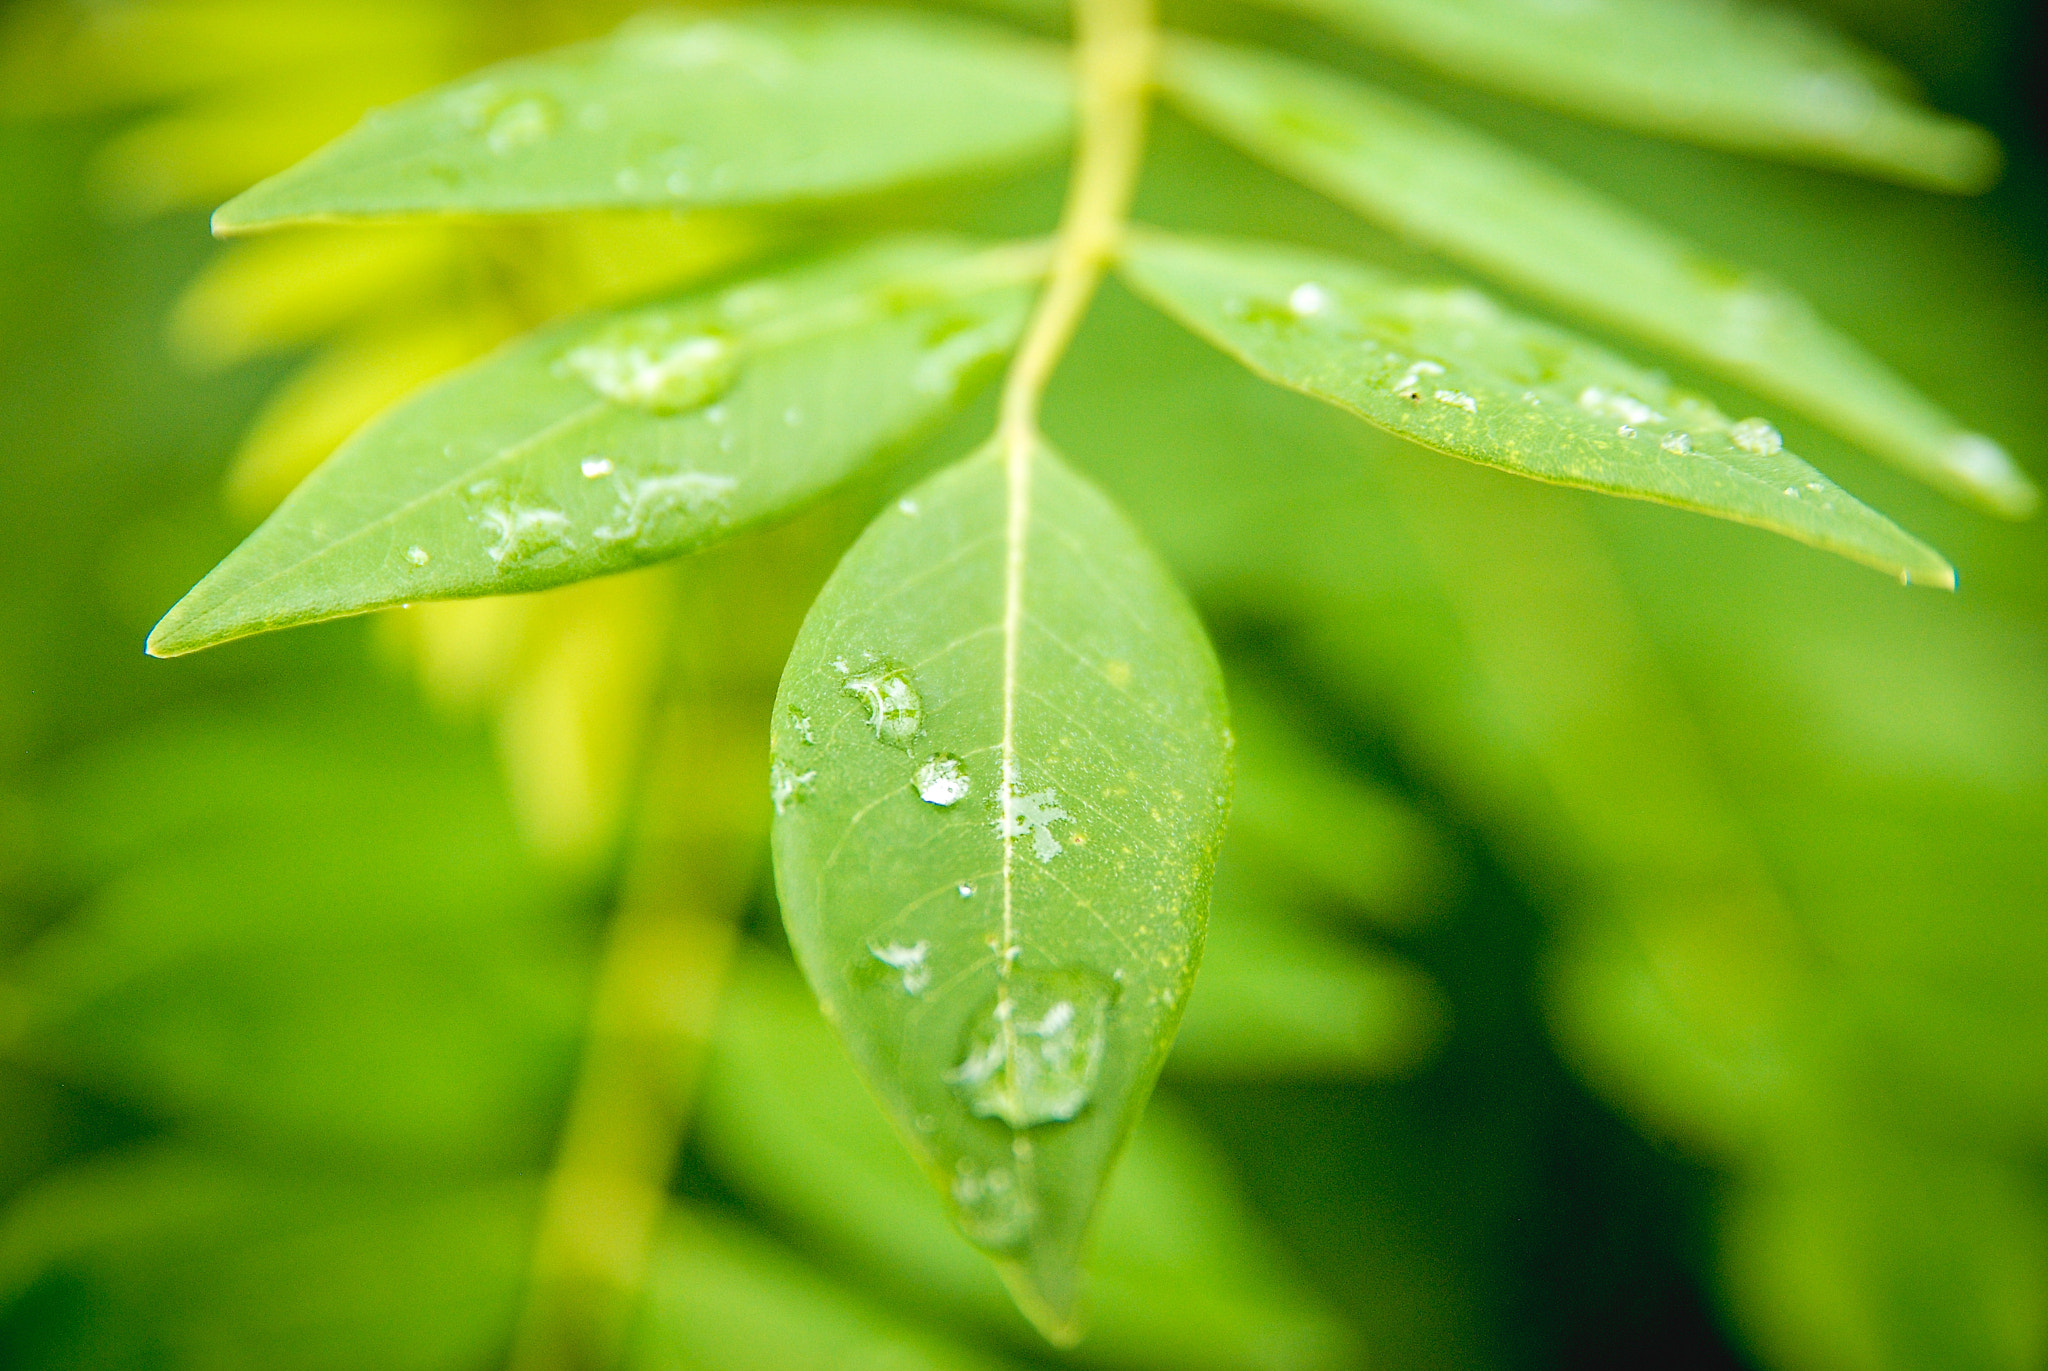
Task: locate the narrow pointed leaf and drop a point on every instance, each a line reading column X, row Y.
column 619, row 439
column 1751, row 77
column 755, row 107
column 1471, row 198
column 1001, row 766
column 1448, row 368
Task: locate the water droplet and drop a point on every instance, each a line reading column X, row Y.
column 1032, row 815
column 1792, row 491
column 908, row 507
column 1409, row 386
column 800, row 722
column 1034, row 1055
column 941, row 781
column 895, row 711
column 418, row 555
column 1458, row 399
column 1619, row 404
column 1308, row 298
column 1757, row 436
column 1626, row 431
column 993, row 1208
column 521, row 125
column 787, row 786
column 627, row 180
column 908, row 960
column 1678, row 444
column 645, row 363
column 594, row 467
column 520, row 533
column 966, row 889
column 656, row 509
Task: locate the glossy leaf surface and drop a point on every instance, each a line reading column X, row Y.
column 620, row 439
column 770, row 106
column 1728, row 73
column 1448, row 368
column 1460, row 193
column 1002, row 770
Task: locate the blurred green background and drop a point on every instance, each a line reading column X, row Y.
column 1632, row 949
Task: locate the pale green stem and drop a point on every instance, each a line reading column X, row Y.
column 1117, row 39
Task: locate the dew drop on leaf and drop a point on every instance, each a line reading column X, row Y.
column 941, row 781
column 641, row 363
column 1757, row 436
column 788, row 786
column 1035, row 1052
column 910, row 960
column 895, row 710
column 993, row 1206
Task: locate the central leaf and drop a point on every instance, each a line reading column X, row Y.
column 1001, row 770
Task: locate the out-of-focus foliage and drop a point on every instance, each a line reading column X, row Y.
column 1632, row 932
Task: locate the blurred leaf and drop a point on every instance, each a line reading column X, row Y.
column 1181, row 1278
column 295, row 288
column 614, row 441
column 1864, row 1257
column 1278, row 998
column 165, row 1257
column 1737, row 74
column 1511, row 216
column 1001, row 660
column 342, row 388
column 721, row 1298
column 756, row 107
column 326, row 947
column 1447, row 368
column 1330, row 836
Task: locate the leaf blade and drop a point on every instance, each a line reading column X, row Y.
column 1447, row 368
column 778, row 105
column 1015, row 810
column 622, row 438
column 1748, row 77
column 1489, row 206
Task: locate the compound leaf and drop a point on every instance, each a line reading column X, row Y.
column 619, row 439
column 1461, row 193
column 1002, row 770
column 1448, row 368
column 766, row 106
column 1749, row 77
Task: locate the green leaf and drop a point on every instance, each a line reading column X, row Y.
column 1753, row 78
column 173, row 1257
column 1326, row 836
column 721, row 1297
column 623, row 438
column 1002, row 770
column 1448, row 368
column 1279, row 998
column 1182, row 1276
column 1485, row 204
column 768, row 106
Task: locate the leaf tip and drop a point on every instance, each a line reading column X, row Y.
column 1053, row 1306
column 1985, row 471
